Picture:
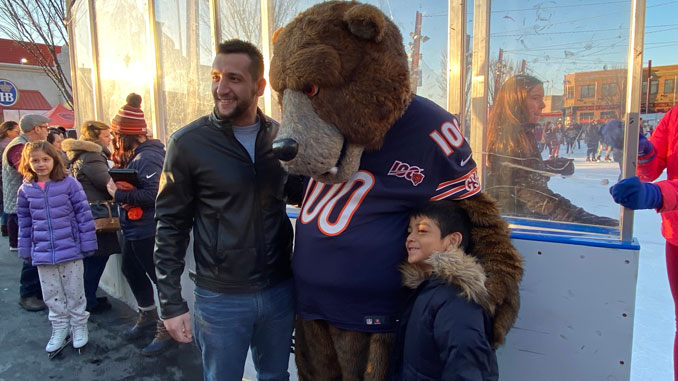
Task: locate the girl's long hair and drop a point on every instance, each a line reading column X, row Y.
column 123, row 148
column 506, row 134
column 58, row 172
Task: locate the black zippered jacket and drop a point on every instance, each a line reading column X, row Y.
column 242, row 237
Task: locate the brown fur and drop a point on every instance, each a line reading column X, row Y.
column 339, row 354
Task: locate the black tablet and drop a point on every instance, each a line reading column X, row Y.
column 125, row 174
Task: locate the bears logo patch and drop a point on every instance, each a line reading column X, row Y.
column 410, row 172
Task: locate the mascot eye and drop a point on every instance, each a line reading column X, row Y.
column 310, row 90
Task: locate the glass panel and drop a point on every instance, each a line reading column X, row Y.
column 124, row 63
column 558, row 75
column 185, row 57
column 84, row 91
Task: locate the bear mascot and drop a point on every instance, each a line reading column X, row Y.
column 372, row 151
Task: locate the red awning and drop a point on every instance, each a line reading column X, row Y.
column 61, row 116
column 29, row 100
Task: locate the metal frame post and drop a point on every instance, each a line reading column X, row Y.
column 479, row 82
column 633, row 90
column 456, row 59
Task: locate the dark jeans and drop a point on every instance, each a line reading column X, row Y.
column 227, row 325
column 13, row 230
column 94, row 268
column 30, row 281
column 139, row 270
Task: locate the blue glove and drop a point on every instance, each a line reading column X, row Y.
column 645, row 146
column 635, row 194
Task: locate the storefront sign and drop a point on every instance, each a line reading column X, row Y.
column 9, row 94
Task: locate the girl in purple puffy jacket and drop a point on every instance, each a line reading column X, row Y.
column 56, row 232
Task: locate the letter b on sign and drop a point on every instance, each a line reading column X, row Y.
column 8, row 93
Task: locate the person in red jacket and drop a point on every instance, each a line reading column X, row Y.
column 655, row 155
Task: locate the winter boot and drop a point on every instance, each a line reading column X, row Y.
column 59, row 335
column 161, row 342
column 80, row 336
column 146, row 320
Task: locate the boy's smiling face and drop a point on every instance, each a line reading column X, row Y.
column 424, row 239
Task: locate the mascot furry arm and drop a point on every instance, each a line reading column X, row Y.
column 351, row 124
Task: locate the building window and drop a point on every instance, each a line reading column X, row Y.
column 609, row 89
column 570, row 92
column 588, row 91
column 585, row 117
column 608, row 115
column 669, row 86
column 654, row 86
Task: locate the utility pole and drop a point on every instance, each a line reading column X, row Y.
column 415, row 46
column 649, row 84
column 498, row 74
column 523, row 65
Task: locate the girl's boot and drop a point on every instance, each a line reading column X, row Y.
column 80, row 336
column 59, row 335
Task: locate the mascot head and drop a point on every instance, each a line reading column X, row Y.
column 341, row 73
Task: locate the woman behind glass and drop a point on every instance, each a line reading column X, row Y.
column 517, row 176
column 89, row 160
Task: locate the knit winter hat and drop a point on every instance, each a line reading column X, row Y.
column 130, row 119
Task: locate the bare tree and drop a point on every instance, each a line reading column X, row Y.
column 33, row 22
column 242, row 18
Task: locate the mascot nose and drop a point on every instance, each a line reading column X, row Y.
column 285, row 149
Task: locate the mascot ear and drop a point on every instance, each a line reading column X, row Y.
column 276, row 34
column 366, row 22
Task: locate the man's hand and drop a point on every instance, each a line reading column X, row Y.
column 179, row 327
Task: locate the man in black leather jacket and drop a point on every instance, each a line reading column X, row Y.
column 220, row 179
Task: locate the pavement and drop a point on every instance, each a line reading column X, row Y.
column 107, row 356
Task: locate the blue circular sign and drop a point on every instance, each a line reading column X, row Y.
column 9, row 94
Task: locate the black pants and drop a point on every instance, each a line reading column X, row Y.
column 30, row 282
column 139, row 270
column 94, row 268
column 13, row 229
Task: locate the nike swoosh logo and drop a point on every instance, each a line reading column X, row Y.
column 463, row 162
column 153, row 174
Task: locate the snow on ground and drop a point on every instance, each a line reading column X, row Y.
column 654, row 324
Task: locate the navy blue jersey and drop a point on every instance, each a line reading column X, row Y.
column 350, row 237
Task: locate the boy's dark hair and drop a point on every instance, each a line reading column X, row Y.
column 240, row 46
column 450, row 218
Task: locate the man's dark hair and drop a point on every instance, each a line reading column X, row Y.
column 240, row 46
column 449, row 217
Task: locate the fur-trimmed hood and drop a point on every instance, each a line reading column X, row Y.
column 453, row 267
column 73, row 146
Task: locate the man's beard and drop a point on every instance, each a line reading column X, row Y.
column 241, row 106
